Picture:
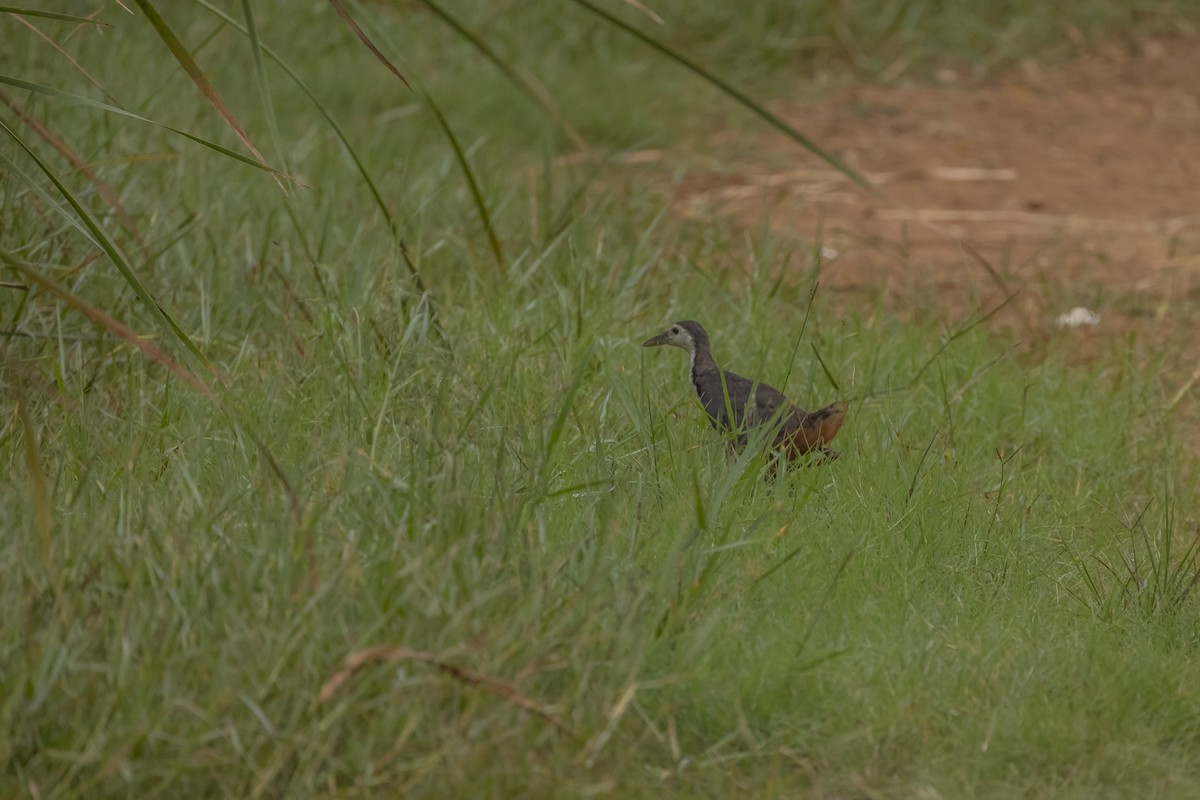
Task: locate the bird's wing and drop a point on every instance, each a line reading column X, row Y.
column 713, row 398
column 748, row 409
column 768, row 403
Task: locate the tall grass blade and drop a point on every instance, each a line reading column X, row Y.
column 459, row 153
column 823, row 601
column 101, row 318
column 525, row 83
column 52, row 92
column 264, row 86
column 962, row 330
column 321, row 109
column 66, row 55
column 120, row 261
column 362, row 35
column 110, row 248
column 40, row 491
column 473, row 184
column 825, row 368
column 732, row 91
column 77, row 161
column 388, row 654
column 193, row 70
column 55, row 15
column 566, row 405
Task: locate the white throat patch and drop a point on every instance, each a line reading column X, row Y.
column 691, row 348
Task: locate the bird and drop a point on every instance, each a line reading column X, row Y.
column 735, row 404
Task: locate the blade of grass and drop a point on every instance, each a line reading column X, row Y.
column 388, row 654
column 473, row 184
column 464, row 164
column 779, row 564
column 120, row 261
column 55, row 15
column 526, row 83
column 812, row 296
column 963, row 330
column 362, row 35
column 40, row 491
column 106, row 191
column 979, row 373
column 642, row 9
column 70, row 59
column 819, row 610
column 190, row 66
column 732, row 91
column 912, row 486
column 101, row 318
column 560, row 419
column 825, row 368
column 264, row 86
column 325, row 114
column 52, row 92
column 100, row 237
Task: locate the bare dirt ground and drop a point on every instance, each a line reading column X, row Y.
column 1072, row 186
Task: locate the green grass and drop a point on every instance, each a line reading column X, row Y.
column 989, row 594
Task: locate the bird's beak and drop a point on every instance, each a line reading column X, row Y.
column 657, row 340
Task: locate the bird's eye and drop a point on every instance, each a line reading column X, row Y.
column 675, row 329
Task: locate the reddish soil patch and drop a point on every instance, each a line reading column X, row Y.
column 1090, row 175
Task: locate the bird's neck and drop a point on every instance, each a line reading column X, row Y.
column 702, row 362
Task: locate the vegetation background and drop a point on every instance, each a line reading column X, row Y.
column 331, row 465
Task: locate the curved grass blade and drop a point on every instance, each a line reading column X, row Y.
column 77, row 161
column 388, row 654
column 459, row 153
column 49, row 199
column 737, row 94
column 264, row 86
column 66, row 56
column 55, row 15
column 101, row 238
column 43, row 515
column 825, row 368
column 473, row 184
column 324, row 112
column 101, row 318
column 526, row 83
column 642, row 9
column 120, row 261
column 50, row 91
column 193, row 70
column 961, row 331
column 361, row 34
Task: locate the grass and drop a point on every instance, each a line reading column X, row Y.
column 989, row 594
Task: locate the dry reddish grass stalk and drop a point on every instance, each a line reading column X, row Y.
column 77, row 161
column 390, row 654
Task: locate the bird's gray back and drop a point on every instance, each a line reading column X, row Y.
column 767, row 401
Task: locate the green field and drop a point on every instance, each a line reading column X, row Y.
column 383, row 405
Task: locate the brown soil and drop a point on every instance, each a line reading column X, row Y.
column 1078, row 186
column 1090, row 174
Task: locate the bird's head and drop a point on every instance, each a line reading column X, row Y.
column 686, row 335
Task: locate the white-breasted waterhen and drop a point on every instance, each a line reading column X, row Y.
column 735, row 404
